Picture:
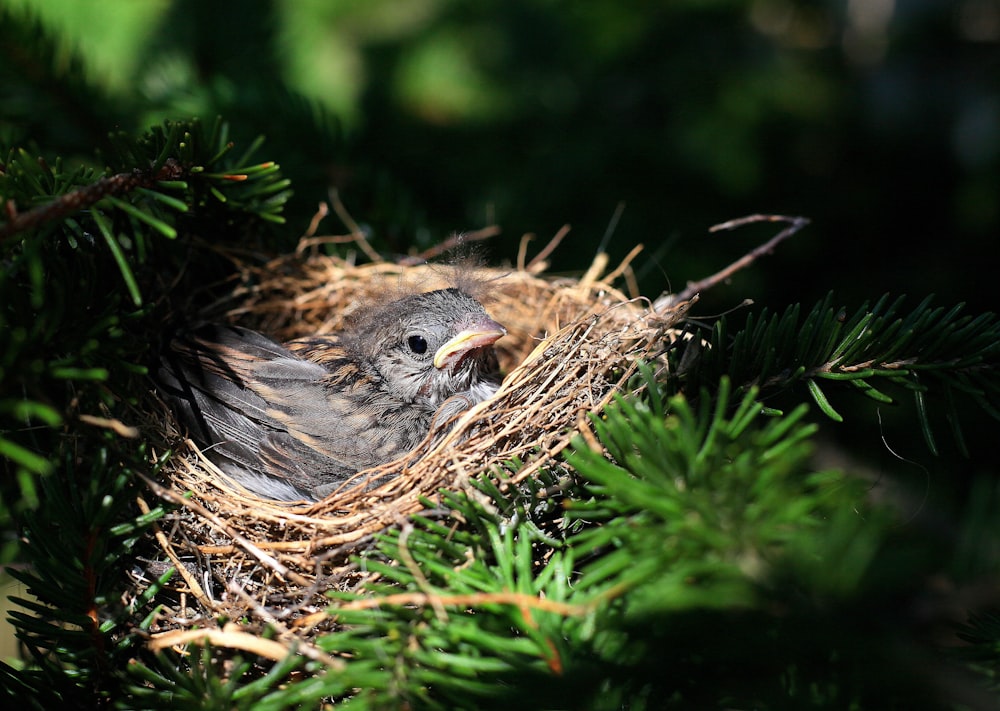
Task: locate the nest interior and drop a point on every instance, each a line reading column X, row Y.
column 571, row 344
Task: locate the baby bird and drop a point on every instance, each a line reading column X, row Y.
column 292, row 421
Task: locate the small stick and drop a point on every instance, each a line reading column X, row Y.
column 620, row 269
column 470, row 600
column 455, row 240
column 307, row 242
column 537, row 260
column 354, row 227
column 181, row 569
column 522, row 250
column 294, row 644
column 794, row 225
column 322, row 210
column 170, row 495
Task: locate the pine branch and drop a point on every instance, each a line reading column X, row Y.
column 982, row 635
column 711, row 477
column 85, row 197
column 878, row 346
column 85, row 258
column 488, row 605
column 75, row 626
column 66, row 315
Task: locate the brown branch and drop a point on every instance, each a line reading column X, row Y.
column 192, row 582
column 469, row 600
column 230, row 637
column 356, row 232
column 322, row 210
column 294, row 644
column 537, row 263
column 624, row 266
column 82, row 198
column 794, row 225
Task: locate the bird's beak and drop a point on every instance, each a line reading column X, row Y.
column 484, row 333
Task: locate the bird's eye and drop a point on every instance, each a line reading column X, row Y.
column 417, row 344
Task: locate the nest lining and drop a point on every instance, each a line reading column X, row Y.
column 571, row 344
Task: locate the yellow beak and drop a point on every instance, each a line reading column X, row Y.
column 466, row 341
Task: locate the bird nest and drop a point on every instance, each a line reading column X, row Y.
column 571, row 345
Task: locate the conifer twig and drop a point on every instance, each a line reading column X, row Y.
column 418, row 575
column 76, row 200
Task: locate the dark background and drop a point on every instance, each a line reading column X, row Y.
column 877, row 119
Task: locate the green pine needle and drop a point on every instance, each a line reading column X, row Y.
column 878, row 347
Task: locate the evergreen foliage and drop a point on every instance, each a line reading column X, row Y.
column 878, row 344
column 76, row 264
column 688, row 556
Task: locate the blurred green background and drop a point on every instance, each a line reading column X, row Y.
column 878, row 119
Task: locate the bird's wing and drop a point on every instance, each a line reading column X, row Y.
column 279, row 419
column 211, row 376
column 354, row 419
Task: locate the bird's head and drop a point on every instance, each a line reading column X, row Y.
column 430, row 346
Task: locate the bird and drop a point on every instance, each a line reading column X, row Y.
column 292, row 421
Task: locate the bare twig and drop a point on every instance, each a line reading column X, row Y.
column 230, row 637
column 471, row 600
column 794, row 225
column 322, row 210
column 522, row 250
column 115, row 425
column 294, row 643
column 309, row 242
column 624, row 266
column 359, row 234
column 537, row 262
column 455, row 240
column 181, row 569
